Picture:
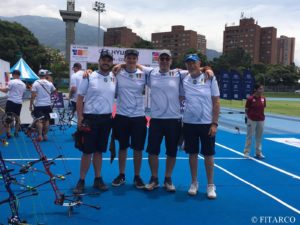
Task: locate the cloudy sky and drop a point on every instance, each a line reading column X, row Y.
column 147, row 16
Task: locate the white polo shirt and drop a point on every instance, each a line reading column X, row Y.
column 99, row 93
column 198, row 99
column 164, row 95
column 43, row 89
column 130, row 87
column 16, row 89
column 75, row 81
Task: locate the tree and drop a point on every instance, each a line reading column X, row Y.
column 57, row 64
column 266, row 74
column 16, row 41
column 236, row 59
column 281, row 75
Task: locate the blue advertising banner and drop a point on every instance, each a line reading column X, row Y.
column 236, row 83
column 225, row 85
column 249, row 82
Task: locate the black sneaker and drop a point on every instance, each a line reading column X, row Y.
column 153, row 183
column 79, row 187
column 119, row 180
column 99, row 184
column 138, row 182
column 168, row 185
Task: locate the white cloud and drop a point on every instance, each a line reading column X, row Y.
column 18, row 8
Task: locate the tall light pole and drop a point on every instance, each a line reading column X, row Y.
column 99, row 7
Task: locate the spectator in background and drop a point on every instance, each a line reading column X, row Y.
column 41, row 100
column 49, row 77
column 75, row 81
column 255, row 119
column 15, row 89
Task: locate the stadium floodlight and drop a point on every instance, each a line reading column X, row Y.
column 100, row 8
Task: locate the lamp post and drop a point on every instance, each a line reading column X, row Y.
column 99, row 7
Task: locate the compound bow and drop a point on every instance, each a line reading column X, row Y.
column 60, row 198
column 13, row 198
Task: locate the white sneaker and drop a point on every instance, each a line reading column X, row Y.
column 169, row 186
column 246, row 155
column 211, row 191
column 193, row 188
column 153, row 183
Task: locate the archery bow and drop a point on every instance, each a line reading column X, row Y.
column 60, row 198
column 12, row 198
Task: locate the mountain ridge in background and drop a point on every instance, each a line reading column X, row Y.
column 51, row 32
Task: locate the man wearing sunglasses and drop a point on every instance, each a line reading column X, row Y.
column 165, row 119
column 200, row 118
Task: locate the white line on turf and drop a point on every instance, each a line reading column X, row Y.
column 161, row 158
column 261, row 162
column 77, row 159
column 257, row 188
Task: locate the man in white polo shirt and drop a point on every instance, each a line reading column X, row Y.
column 95, row 115
column 75, row 81
column 165, row 119
column 200, row 118
column 41, row 100
column 130, row 122
column 15, row 89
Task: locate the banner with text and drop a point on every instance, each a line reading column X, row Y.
column 249, row 82
column 90, row 54
column 236, row 85
column 225, row 85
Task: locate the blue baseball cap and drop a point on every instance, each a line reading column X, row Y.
column 191, row 57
